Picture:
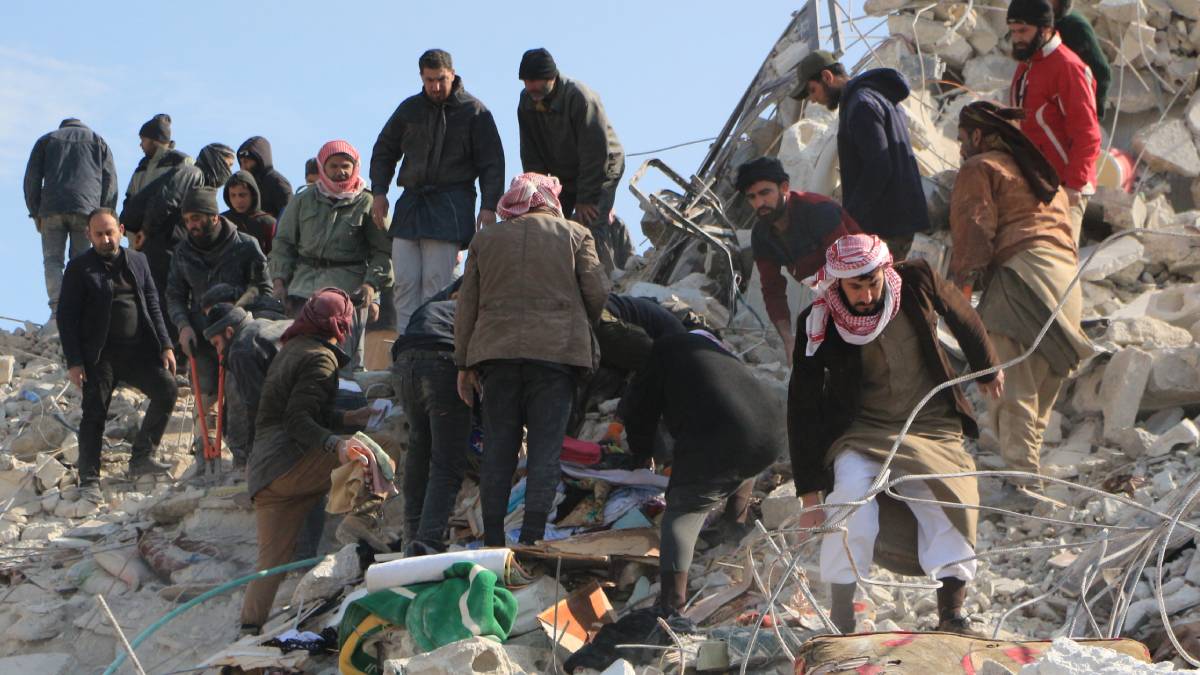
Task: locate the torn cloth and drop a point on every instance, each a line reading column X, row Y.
column 355, row 482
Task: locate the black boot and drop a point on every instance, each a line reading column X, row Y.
column 143, row 464
column 672, row 592
column 842, row 610
column 533, row 528
column 950, row 599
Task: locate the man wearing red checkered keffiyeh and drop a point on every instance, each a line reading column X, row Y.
column 858, row 288
column 528, row 192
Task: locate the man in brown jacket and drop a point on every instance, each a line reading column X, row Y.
column 531, row 291
column 868, row 354
column 1011, row 226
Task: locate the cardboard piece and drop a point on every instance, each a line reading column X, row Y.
column 580, row 616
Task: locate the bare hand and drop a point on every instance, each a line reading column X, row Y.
column 468, row 385
column 379, row 211
column 486, row 217
column 995, row 388
column 357, row 418
column 279, row 290
column 187, row 340
column 811, row 519
column 78, row 377
column 168, row 360
column 586, row 213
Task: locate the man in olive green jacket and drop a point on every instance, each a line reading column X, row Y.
column 326, row 238
column 532, row 289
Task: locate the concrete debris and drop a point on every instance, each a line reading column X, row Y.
column 1068, row 657
column 1168, row 146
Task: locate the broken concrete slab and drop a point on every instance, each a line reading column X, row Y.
column 1120, row 11
column 1125, row 380
column 1147, row 333
column 7, row 363
column 1111, row 259
column 328, row 577
column 1121, row 210
column 988, row 72
column 49, row 663
column 476, row 656
column 1184, row 434
column 1168, row 146
column 1174, row 379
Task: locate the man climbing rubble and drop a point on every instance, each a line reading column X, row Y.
column 870, row 352
column 792, row 231
column 1011, row 226
column 113, row 333
column 881, row 184
column 727, row 428
column 1058, row 94
column 532, row 289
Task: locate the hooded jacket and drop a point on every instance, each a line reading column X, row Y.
column 234, row 259
column 1058, row 94
column 70, row 170
column 444, row 149
column 881, row 185
column 275, row 189
column 1080, row 37
column 255, row 222
column 568, row 135
column 212, row 165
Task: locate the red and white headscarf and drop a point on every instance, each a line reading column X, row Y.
column 352, row 186
column 851, row 256
column 527, row 192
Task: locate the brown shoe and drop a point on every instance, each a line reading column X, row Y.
column 951, row 617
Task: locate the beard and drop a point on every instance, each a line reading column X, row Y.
column 769, row 215
column 108, row 253
column 835, row 98
column 862, row 309
column 1026, row 52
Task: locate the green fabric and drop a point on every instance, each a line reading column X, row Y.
column 1077, row 34
column 432, row 613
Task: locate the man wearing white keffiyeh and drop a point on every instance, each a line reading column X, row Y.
column 852, row 389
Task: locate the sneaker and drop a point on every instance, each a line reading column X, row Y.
column 90, row 492
column 960, row 625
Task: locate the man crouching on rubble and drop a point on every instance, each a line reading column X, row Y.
column 870, row 353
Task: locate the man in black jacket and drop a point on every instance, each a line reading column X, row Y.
column 881, row 185
column 255, row 156
column 566, row 133
column 447, row 140
column 113, row 333
column 213, row 252
column 215, row 162
column 70, row 173
column 151, row 209
column 727, row 426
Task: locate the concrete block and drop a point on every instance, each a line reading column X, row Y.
column 1110, row 259
column 1146, row 332
column 1183, row 434
column 476, row 656
column 52, row 663
column 8, row 363
column 1174, row 379
column 1121, row 390
column 1176, row 305
column 1120, row 12
column 1122, row 211
column 1168, row 146
column 328, row 577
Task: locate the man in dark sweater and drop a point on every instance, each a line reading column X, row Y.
column 727, row 426
column 1077, row 34
column 881, row 184
column 255, row 156
column 113, row 333
column 792, row 231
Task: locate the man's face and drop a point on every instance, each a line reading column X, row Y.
column 105, row 234
column 148, row 146
column 437, row 83
column 339, row 168
column 240, row 197
column 1026, row 40
column 825, row 90
column 220, row 341
column 200, row 226
column 247, row 163
column 539, row 89
column 310, row 178
column 768, row 199
column 864, row 295
column 969, row 142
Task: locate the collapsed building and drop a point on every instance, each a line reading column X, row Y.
column 1117, row 556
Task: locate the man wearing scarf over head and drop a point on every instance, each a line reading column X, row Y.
column 326, row 238
column 215, row 162
column 532, row 289
column 1011, row 226
column 868, row 353
column 294, row 447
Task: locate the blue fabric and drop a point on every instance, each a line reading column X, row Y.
column 441, row 213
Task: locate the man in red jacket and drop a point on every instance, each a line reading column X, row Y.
column 792, row 232
column 1058, row 94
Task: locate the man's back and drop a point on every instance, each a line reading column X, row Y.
column 70, row 171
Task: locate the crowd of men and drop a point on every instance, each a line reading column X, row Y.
column 276, row 291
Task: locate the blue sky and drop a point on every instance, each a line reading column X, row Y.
column 302, row 73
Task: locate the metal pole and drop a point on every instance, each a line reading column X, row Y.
column 835, row 25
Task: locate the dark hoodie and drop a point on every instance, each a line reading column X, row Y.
column 275, row 189
column 234, row 258
column 211, row 164
column 255, row 222
column 881, row 186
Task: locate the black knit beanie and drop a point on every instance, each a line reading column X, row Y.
column 1033, row 12
column 158, row 128
column 201, row 199
column 763, row 168
column 537, row 64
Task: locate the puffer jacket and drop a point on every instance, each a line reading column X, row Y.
column 443, row 149
column 70, row 170
column 276, row 190
column 532, row 289
column 255, row 222
column 235, row 259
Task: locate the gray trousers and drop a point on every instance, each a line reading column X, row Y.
column 57, row 229
column 422, row 268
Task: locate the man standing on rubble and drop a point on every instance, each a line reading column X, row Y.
column 215, row 162
column 254, row 156
column 881, row 184
column 565, row 133
column 728, row 427
column 294, row 447
column 531, row 291
column 151, row 209
column 1058, row 94
column 113, row 333
column 70, row 173
column 869, row 354
column 792, row 231
column 448, row 140
column 1012, row 236
column 328, row 239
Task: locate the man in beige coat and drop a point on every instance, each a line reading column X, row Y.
column 532, row 289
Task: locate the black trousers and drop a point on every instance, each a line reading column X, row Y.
column 535, row 398
column 138, row 366
column 439, row 437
